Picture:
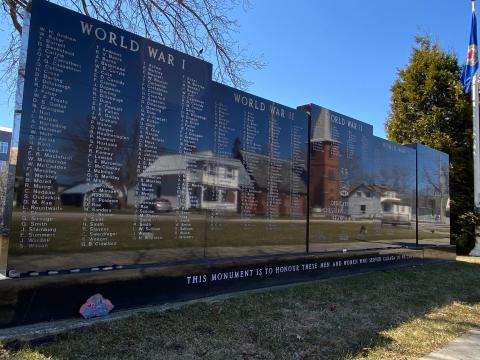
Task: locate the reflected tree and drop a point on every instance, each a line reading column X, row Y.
column 201, row 28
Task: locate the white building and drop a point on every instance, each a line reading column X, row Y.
column 378, row 202
column 199, row 181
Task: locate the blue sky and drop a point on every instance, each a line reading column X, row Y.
column 343, row 55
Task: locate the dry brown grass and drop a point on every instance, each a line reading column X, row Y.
column 469, row 259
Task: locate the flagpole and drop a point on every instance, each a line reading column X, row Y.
column 476, row 157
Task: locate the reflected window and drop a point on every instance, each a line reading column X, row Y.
column 3, row 147
column 229, row 174
column 363, row 209
column 330, row 153
column 221, row 195
column 359, row 194
column 211, row 169
column 209, row 194
column 387, row 207
column 216, row 195
column 368, row 194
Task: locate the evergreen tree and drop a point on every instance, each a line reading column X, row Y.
column 428, row 106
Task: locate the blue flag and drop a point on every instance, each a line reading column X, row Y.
column 472, row 57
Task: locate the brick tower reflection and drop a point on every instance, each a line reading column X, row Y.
column 324, row 165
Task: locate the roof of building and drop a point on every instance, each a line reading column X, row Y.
column 262, row 169
column 376, row 188
column 85, row 188
column 173, row 164
column 321, row 131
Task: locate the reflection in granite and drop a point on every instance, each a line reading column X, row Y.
column 433, row 193
column 362, row 188
column 3, row 255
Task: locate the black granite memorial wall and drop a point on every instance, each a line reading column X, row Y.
column 107, row 118
column 340, row 162
column 362, row 188
column 135, row 173
column 263, row 146
column 394, row 190
column 433, row 221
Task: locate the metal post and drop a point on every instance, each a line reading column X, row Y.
column 476, row 163
column 476, row 158
column 476, row 147
column 416, row 196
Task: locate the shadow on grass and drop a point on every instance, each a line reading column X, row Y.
column 403, row 311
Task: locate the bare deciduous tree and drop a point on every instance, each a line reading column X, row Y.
column 201, row 28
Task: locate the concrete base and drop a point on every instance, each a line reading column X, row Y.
column 55, row 297
column 476, row 250
column 31, row 332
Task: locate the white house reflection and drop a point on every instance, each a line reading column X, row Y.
column 378, row 202
column 205, row 181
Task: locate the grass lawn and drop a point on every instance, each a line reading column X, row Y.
column 396, row 314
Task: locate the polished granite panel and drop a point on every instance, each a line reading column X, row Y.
column 339, row 162
column 433, row 195
column 114, row 135
column 394, row 187
column 362, row 188
column 260, row 174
